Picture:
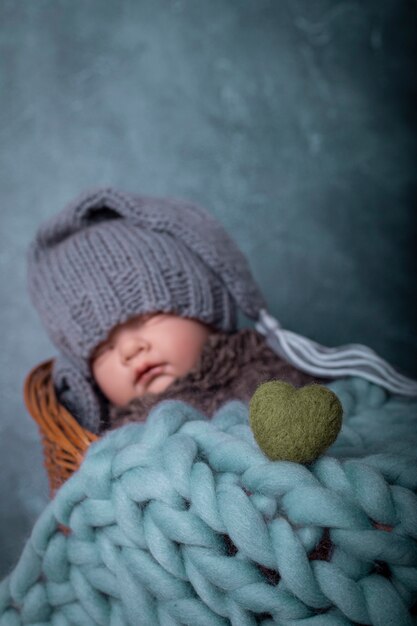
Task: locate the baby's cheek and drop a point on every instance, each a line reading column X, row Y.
column 110, row 381
column 188, row 353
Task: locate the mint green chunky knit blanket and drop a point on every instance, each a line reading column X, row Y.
column 142, row 533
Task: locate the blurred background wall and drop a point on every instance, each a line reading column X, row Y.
column 293, row 121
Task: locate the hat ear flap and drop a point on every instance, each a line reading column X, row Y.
column 79, row 395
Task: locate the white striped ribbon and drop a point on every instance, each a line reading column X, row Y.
column 349, row 360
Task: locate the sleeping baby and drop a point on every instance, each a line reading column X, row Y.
column 140, row 297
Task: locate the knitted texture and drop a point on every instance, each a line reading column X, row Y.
column 109, row 256
column 79, row 394
column 141, row 534
column 291, row 424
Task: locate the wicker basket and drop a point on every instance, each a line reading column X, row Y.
column 64, row 440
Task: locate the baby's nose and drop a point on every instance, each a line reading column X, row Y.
column 131, row 345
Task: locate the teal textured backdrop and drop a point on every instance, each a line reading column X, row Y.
column 292, row 121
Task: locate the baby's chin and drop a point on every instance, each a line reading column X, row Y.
column 158, row 385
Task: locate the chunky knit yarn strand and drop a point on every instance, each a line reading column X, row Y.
column 142, row 533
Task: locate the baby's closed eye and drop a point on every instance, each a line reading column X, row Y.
column 101, row 349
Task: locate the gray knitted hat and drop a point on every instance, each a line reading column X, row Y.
column 109, row 256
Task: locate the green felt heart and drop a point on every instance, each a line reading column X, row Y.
column 294, row 424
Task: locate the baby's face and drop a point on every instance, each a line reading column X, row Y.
column 146, row 354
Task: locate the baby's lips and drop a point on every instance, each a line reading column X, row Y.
column 146, row 374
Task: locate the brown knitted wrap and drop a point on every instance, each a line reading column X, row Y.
column 231, row 367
